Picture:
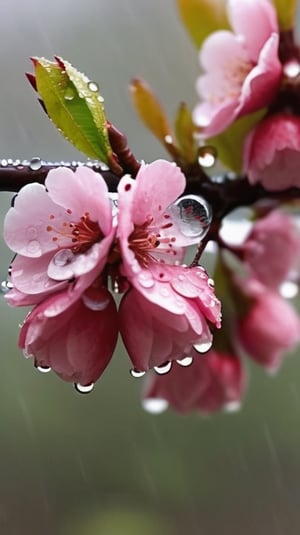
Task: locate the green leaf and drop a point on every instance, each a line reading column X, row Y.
column 74, row 105
column 202, row 17
column 184, row 131
column 230, row 143
column 286, row 12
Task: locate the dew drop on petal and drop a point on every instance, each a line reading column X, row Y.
column 192, row 215
column 34, row 247
column 43, row 369
column 288, row 289
column 94, row 304
column 63, row 257
column 207, row 156
column 203, row 347
column 186, row 361
column 136, row 373
column 35, row 163
column 84, row 389
column 145, row 279
column 155, row 405
column 164, row 368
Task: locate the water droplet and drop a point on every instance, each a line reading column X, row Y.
column 164, row 292
column 100, row 98
column 211, row 282
column 203, row 347
column 33, row 247
column 84, row 389
column 93, row 87
column 232, row 406
column 31, row 233
column 168, row 139
column 136, row 373
column 164, row 368
column 289, row 289
column 192, row 215
column 35, row 163
column 69, row 93
column 63, row 257
column 43, row 369
column 186, row 361
column 4, row 163
column 6, row 286
column 10, row 161
column 155, row 405
column 94, row 304
column 292, row 68
column 207, row 156
column 145, row 279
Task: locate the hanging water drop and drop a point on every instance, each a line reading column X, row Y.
column 4, row 163
column 155, row 405
column 185, row 362
column 164, row 368
column 6, row 286
column 84, row 389
column 136, row 373
column 95, row 304
column 43, row 369
column 69, row 93
column 35, row 163
column 207, row 156
column 93, row 87
column 203, row 347
column 192, row 215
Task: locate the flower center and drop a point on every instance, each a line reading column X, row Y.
column 147, row 243
column 82, row 234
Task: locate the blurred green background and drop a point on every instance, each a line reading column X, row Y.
column 97, row 464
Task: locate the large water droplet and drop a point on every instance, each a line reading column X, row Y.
column 84, row 389
column 4, row 163
column 93, row 87
column 232, row 406
column 186, row 361
column 43, row 369
column 203, row 347
column 69, row 93
column 207, row 156
column 291, row 69
column 35, row 163
column 155, row 405
column 164, row 368
column 289, row 289
column 192, row 215
column 136, row 373
column 63, row 257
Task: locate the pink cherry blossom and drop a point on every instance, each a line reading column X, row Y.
column 272, row 152
column 269, row 327
column 271, row 250
column 61, row 231
column 168, row 309
column 212, row 382
column 242, row 69
column 79, row 342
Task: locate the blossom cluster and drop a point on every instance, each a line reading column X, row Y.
column 72, row 242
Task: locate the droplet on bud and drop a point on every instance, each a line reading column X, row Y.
column 207, row 156
column 164, row 368
column 155, row 405
column 84, row 389
column 192, row 215
column 35, row 163
column 186, row 361
column 136, row 373
column 203, row 347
